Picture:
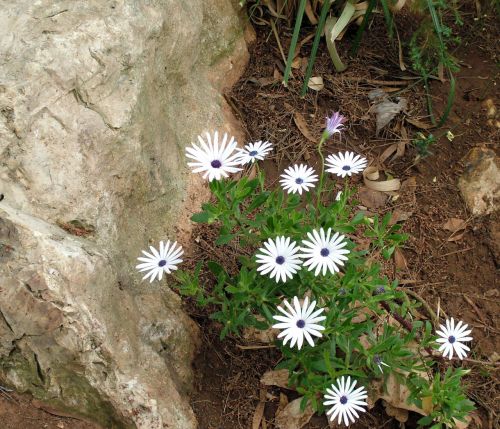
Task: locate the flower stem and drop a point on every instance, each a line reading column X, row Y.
column 261, row 178
column 320, row 185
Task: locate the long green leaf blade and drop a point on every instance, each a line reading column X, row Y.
column 293, row 44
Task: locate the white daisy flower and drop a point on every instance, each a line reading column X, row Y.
column 159, row 261
column 279, row 258
column 452, row 338
column 324, row 251
column 299, row 322
column 215, row 160
column 298, row 178
column 345, row 401
column 345, row 164
column 254, row 151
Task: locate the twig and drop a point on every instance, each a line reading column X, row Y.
column 452, row 253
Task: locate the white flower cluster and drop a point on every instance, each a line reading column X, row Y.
column 281, row 258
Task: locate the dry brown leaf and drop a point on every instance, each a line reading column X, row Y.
column 283, row 401
column 397, row 394
column 316, row 83
column 400, row 260
column 385, row 110
column 291, row 417
column 265, row 81
column 372, row 199
column 454, row 224
column 296, row 63
column 399, row 216
column 310, row 14
column 388, row 152
column 278, row 377
column 419, row 124
column 456, row 237
column 258, row 414
column 399, row 414
column 371, row 177
column 302, row 126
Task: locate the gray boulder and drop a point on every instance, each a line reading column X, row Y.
column 97, row 101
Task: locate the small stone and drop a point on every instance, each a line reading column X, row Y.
column 480, row 182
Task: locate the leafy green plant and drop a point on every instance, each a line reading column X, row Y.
column 367, row 330
column 423, row 143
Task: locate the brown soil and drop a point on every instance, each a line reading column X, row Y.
column 458, row 276
column 20, row 412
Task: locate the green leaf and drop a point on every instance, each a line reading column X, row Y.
column 224, row 239
column 215, row 268
column 201, row 217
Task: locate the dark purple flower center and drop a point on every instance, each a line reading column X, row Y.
column 280, row 260
column 216, row 163
column 379, row 290
column 324, row 252
column 451, row 339
column 300, row 323
column 253, row 153
column 343, row 399
column 377, row 359
column 346, row 167
column 162, row 263
column 299, row 181
column 342, row 291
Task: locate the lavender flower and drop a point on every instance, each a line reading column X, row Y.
column 334, row 124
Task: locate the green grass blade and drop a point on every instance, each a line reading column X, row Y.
column 317, row 37
column 388, row 17
column 293, row 44
column 362, row 27
column 449, row 102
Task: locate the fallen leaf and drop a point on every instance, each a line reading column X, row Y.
column 399, row 414
column 296, row 63
column 372, row 199
column 254, row 335
column 278, row 377
column 258, row 414
column 291, row 417
column 397, row 394
column 419, row 124
column 400, row 260
column 399, row 216
column 454, row 237
column 454, row 224
column 283, row 401
column 386, row 110
column 265, row 81
column 316, row 83
column 302, row 126
column 371, row 176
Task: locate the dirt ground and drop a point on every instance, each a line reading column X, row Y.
column 21, row 412
column 459, row 276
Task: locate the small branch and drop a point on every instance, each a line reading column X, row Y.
column 407, row 325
